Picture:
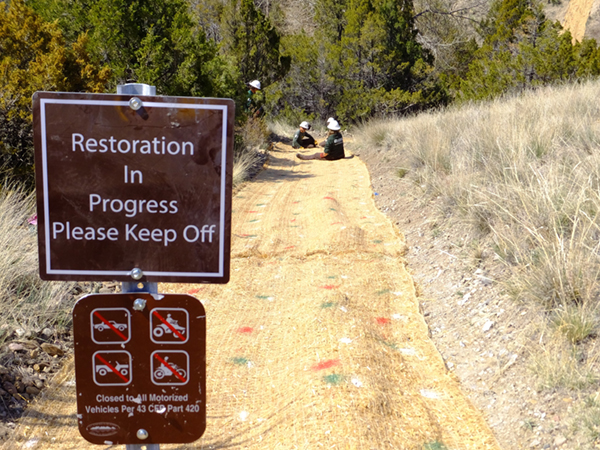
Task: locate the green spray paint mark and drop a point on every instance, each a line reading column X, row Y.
column 254, row 220
column 334, row 379
column 264, row 297
column 296, row 214
column 240, row 361
column 294, row 226
column 435, row 446
column 391, row 345
column 333, row 209
column 328, row 305
column 383, row 291
column 261, row 204
column 332, row 276
column 377, row 241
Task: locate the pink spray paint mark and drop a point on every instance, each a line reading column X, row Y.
column 329, row 286
column 245, row 330
column 251, row 211
column 328, row 198
column 327, row 364
column 193, row 291
column 336, row 223
column 382, row 320
column 290, row 247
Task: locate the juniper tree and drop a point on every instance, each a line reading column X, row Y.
column 35, row 57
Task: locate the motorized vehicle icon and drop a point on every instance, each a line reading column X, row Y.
column 164, row 371
column 103, row 326
column 103, row 369
column 163, row 328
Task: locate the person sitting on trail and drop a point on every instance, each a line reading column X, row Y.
column 322, row 144
column 333, row 147
column 254, row 101
column 302, row 138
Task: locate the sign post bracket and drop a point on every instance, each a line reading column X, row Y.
column 151, row 288
column 142, row 447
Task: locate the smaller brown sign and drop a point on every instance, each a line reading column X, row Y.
column 140, row 368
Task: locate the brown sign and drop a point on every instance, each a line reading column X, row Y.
column 127, row 182
column 140, row 368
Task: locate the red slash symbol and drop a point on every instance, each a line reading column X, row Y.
column 110, row 325
column 172, row 369
column 109, row 365
column 166, row 322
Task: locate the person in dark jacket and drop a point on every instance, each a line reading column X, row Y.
column 333, row 146
column 254, row 100
column 302, row 138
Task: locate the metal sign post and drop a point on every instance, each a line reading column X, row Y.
column 136, row 188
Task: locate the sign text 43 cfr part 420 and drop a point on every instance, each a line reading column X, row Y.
column 120, row 188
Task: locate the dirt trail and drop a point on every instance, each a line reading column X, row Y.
column 317, row 341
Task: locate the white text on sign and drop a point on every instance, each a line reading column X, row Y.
column 132, row 233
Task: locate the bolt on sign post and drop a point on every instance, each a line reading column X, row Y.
column 136, row 188
column 126, row 182
column 140, row 368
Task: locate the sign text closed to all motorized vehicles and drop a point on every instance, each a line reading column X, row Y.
column 140, row 368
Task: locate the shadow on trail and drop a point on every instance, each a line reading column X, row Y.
column 279, row 170
column 243, row 436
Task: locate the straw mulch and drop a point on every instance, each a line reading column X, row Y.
column 317, row 341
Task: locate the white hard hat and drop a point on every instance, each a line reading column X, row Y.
column 255, row 84
column 305, row 125
column 329, row 120
column 333, row 125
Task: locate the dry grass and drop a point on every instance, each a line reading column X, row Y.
column 28, row 303
column 523, row 175
column 251, row 141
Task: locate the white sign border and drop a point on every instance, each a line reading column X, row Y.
column 49, row 270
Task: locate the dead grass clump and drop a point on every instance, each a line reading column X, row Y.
column 586, row 420
column 251, row 143
column 28, row 303
column 560, row 364
column 576, row 323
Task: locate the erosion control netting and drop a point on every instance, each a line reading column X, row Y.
column 317, row 341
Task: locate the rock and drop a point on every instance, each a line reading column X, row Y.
column 9, row 387
column 19, row 386
column 15, row 347
column 32, row 390
column 485, row 281
column 39, row 367
column 38, row 383
column 34, row 353
column 487, row 326
column 3, row 370
column 20, row 332
column 559, row 440
column 52, row 350
column 47, row 332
